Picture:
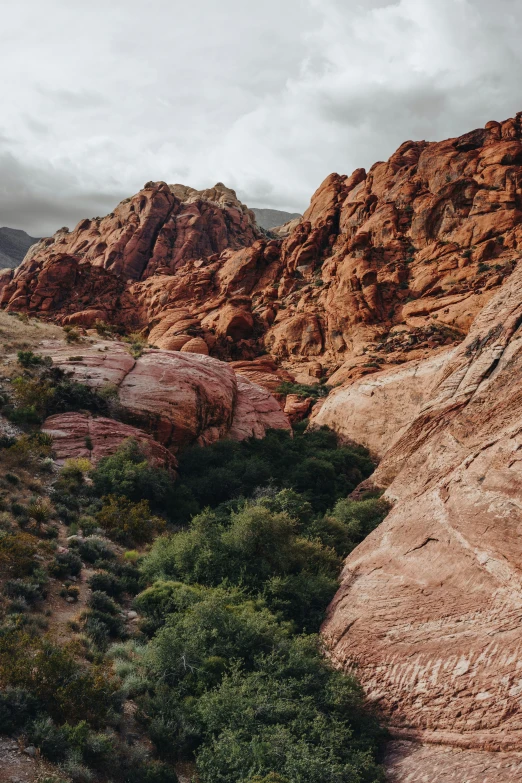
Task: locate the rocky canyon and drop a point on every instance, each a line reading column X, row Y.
column 398, row 296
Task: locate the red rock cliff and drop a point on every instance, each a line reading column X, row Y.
column 384, row 265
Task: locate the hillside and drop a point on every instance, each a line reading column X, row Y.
column 272, row 218
column 14, row 245
column 121, row 629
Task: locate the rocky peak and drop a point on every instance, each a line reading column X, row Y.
column 384, row 266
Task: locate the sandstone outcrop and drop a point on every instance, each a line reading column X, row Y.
column 419, row 242
column 430, row 604
column 81, row 435
column 180, row 398
column 375, row 410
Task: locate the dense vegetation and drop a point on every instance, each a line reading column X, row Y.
column 238, row 561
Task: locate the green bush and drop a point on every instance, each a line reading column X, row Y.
column 311, row 463
column 23, row 588
column 17, row 708
column 29, row 359
column 102, row 602
column 65, row 564
column 248, row 695
column 66, row 690
column 258, row 550
column 127, row 473
column 107, row 583
column 316, row 391
column 128, row 522
column 93, row 549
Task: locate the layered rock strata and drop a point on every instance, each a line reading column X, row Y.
column 430, row 605
column 79, row 435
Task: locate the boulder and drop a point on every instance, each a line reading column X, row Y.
column 81, row 435
column 87, row 318
column 256, row 412
column 195, row 345
column 297, row 408
column 180, row 398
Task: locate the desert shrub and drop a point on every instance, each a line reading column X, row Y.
column 101, row 602
column 151, row 772
column 102, row 626
column 164, row 598
column 70, row 395
column 258, row 550
column 49, row 739
column 28, row 590
column 341, row 529
column 66, row 690
column 128, row 522
column 65, row 564
column 137, row 343
column 29, row 450
column 40, row 510
column 128, row 576
column 17, row 554
column 315, row 391
column 247, row 695
column 29, row 359
column 107, row 583
column 128, row 473
column 92, row 549
column 17, row 708
column 76, row 469
column 354, row 520
column 32, row 395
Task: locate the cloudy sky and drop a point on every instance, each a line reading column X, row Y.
column 269, row 97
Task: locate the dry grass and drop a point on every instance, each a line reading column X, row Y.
column 22, row 335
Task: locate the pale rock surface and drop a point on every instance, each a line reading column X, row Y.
column 375, row 410
column 430, row 604
column 410, row 763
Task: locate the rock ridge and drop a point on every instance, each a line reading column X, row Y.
column 383, row 267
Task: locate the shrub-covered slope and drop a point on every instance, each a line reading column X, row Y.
column 151, row 625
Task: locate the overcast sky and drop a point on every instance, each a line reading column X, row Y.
column 268, row 97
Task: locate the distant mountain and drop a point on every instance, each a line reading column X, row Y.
column 270, row 218
column 14, row 244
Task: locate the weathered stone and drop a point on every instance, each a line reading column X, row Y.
column 430, row 604
column 81, row 435
column 180, row 398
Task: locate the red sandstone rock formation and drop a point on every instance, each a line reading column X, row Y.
column 417, row 245
column 80, row 435
column 430, row 604
column 181, row 398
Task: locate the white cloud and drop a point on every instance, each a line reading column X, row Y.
column 268, row 98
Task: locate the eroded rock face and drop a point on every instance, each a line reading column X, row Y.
column 411, row 763
column 419, row 242
column 430, row 604
column 180, row 398
column 375, row 410
column 81, row 435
